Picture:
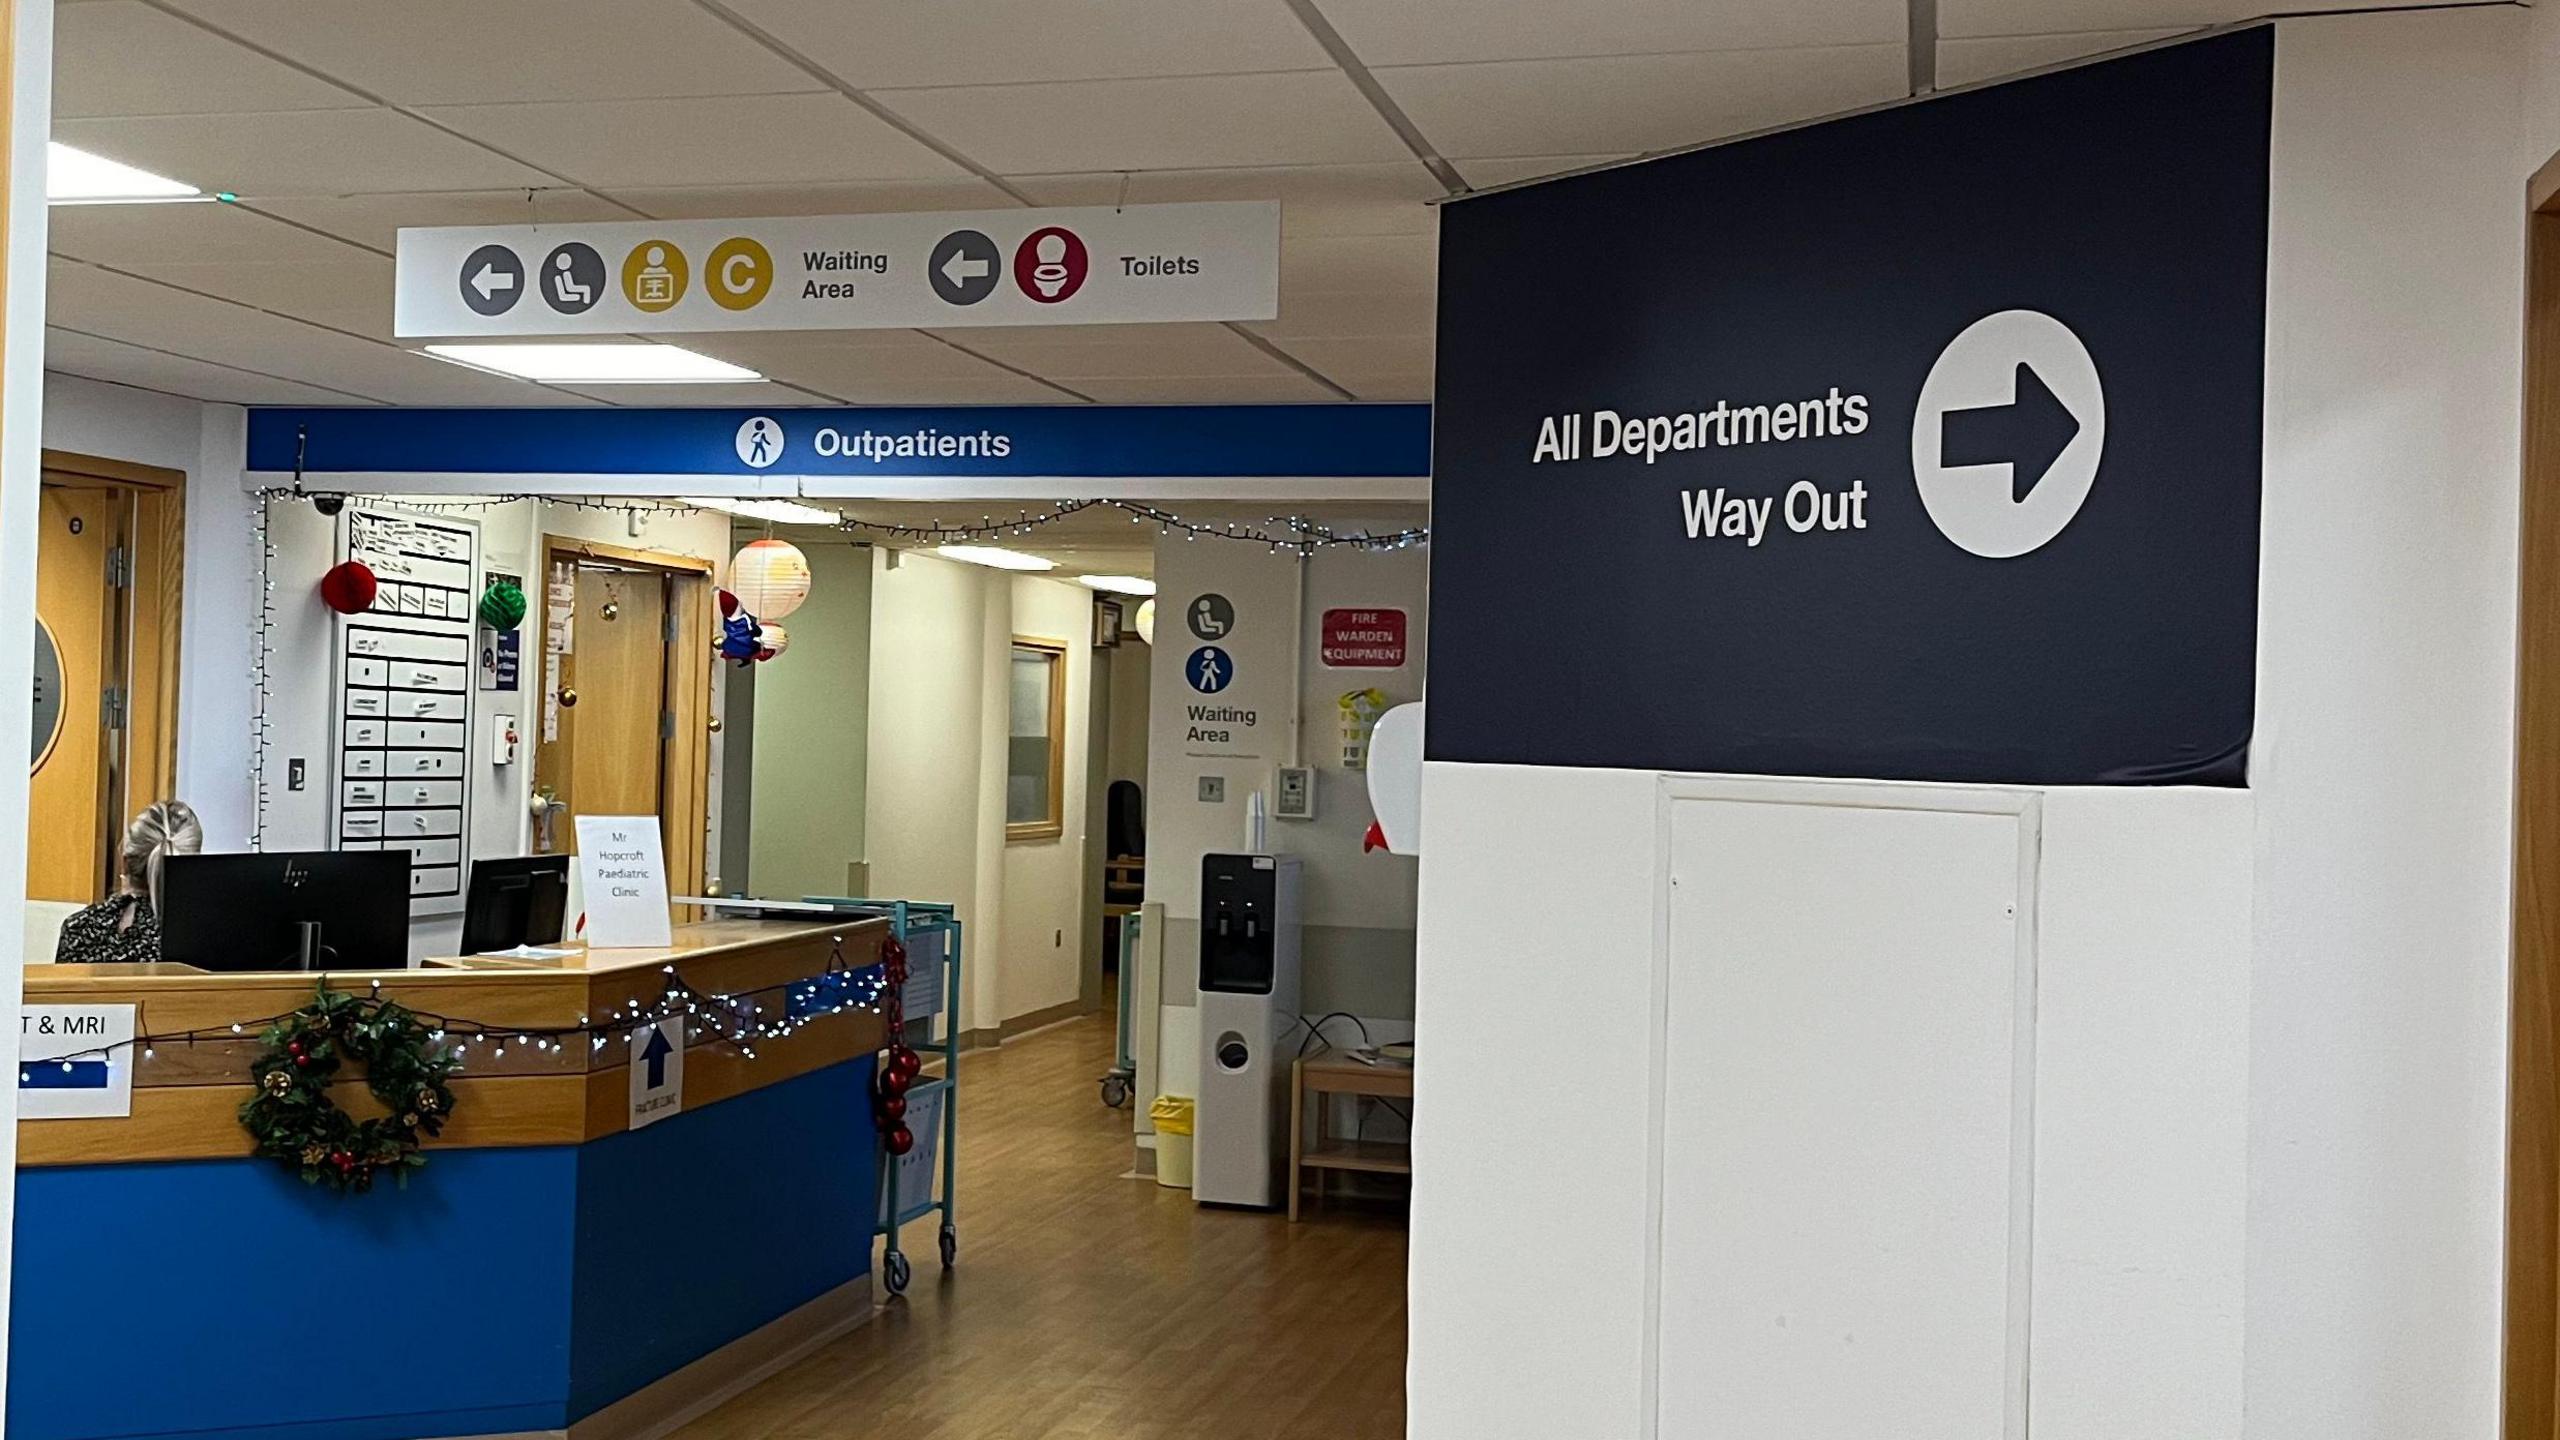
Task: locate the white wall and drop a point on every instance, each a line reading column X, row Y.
column 2269, row 1086
column 2382, row 769
column 1358, row 908
column 1046, row 907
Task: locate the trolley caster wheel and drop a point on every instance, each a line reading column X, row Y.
column 1115, row 1091
column 950, row 1247
column 896, row 1272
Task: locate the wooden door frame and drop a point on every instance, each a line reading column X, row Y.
column 1056, row 826
column 684, row 773
column 148, row 667
column 2532, row 1339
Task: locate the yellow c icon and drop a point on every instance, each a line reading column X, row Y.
column 738, row 274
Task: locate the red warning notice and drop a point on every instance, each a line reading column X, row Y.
column 1363, row 639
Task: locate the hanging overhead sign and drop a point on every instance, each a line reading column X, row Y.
column 1967, row 495
column 1099, row 266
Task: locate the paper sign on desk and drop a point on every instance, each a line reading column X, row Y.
column 657, row 1071
column 622, row 867
column 75, row 1062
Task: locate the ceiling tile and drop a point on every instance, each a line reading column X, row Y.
column 376, row 220
column 1366, row 355
column 726, row 140
column 1408, row 388
column 186, row 235
column 1964, row 62
column 1388, row 198
column 881, row 43
column 1298, row 118
column 1063, row 352
column 834, row 368
column 308, row 152
column 351, row 294
column 1349, row 315
column 1425, row 32
column 1964, row 18
column 72, row 353
column 1357, row 264
column 1485, row 174
column 1280, row 388
column 1641, row 102
column 712, row 202
column 658, row 397
column 455, row 52
column 121, row 57
column 998, row 388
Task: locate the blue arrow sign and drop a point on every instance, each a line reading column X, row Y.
column 655, row 1054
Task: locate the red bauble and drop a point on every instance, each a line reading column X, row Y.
column 892, row 1083
column 899, row 1139
column 349, row 587
column 892, row 1108
column 907, row 1063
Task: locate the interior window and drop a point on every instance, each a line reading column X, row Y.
column 1035, row 751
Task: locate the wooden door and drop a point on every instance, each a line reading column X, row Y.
column 76, row 639
column 608, row 757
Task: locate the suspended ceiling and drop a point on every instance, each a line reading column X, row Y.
column 338, row 121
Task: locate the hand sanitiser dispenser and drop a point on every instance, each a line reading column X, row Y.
column 1248, row 1010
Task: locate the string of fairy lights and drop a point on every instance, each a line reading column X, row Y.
column 1277, row 534
column 736, row 1018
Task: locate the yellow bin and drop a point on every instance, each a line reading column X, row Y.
column 1172, row 1116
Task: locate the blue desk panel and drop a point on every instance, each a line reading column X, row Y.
column 218, row 1300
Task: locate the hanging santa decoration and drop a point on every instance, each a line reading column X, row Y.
column 349, row 587
column 770, row 577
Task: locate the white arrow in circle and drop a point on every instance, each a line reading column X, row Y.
column 491, row 280
column 962, row 266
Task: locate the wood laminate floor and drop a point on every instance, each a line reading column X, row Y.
column 1089, row 1307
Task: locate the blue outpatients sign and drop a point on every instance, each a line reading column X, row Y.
column 1921, row 444
column 1097, row 441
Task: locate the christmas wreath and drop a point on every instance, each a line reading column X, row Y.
column 294, row 1120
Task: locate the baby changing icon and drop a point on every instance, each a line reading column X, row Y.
column 654, row 276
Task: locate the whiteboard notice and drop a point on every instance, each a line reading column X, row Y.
column 622, row 866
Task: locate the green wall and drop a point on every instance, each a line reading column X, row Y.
column 812, row 723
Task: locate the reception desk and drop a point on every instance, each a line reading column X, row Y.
column 549, row 1271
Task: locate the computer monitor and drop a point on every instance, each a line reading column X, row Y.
column 342, row 909
column 515, row 902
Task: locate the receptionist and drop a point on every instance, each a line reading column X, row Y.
column 125, row 927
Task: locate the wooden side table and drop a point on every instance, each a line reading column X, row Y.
column 1338, row 1074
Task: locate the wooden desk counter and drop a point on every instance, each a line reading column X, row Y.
column 187, row 1095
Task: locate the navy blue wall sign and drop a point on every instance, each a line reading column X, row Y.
column 1921, row 444
column 1099, row 441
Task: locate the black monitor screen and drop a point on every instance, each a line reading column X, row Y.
column 515, row 902
column 247, row 912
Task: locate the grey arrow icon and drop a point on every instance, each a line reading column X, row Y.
column 492, row 280
column 963, row 267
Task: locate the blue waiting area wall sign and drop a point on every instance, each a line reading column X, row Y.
column 1097, row 442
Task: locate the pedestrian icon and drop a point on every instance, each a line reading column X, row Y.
column 492, row 280
column 738, row 274
column 963, row 267
column 760, row 441
column 654, row 276
column 1210, row 670
column 1211, row 617
column 1050, row 264
column 573, row 278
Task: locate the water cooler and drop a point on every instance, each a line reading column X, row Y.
column 1248, row 1007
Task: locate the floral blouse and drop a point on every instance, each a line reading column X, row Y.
column 102, row 934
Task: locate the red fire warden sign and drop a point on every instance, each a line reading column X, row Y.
column 1364, row 639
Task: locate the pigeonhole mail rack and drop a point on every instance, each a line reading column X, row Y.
column 919, row 1183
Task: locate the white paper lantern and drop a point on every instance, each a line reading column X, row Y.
column 773, row 638
column 1147, row 621
column 770, row 578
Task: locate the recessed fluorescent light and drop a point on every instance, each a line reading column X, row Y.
column 76, row 177
column 596, row 364
column 1118, row 584
column 990, row 555
column 780, row 512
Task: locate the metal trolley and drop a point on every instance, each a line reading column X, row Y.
column 909, row 1187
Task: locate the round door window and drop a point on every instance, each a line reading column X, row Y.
column 48, row 726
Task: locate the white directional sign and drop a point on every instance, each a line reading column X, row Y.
column 1097, row 266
